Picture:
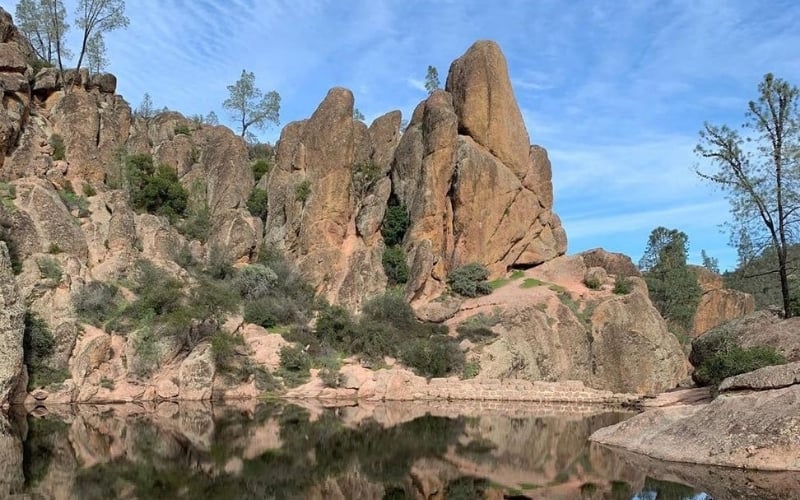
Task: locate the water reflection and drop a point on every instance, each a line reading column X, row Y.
column 387, row 451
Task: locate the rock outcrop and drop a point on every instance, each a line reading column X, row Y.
column 769, row 377
column 330, row 176
column 718, row 304
column 550, row 326
column 474, row 188
column 12, row 314
column 760, row 430
column 761, row 328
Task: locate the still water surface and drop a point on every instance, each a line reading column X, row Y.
column 385, row 451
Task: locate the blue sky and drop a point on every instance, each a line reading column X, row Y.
column 616, row 91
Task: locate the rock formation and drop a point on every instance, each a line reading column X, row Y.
column 718, row 304
column 754, row 431
column 12, row 313
column 551, row 326
column 474, row 188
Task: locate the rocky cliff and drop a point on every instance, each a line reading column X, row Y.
column 474, row 188
column 463, row 171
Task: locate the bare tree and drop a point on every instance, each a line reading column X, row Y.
column 95, row 18
column 760, row 174
column 33, row 19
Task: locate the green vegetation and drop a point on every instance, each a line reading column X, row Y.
column 257, row 203
column 471, row 369
column 364, row 176
column 39, row 447
column 302, row 191
column 182, row 129
column 155, row 190
column 197, row 224
column 249, row 107
column 758, row 176
column 673, row 286
column 478, row 328
column 622, row 285
column 50, row 269
column 88, row 190
column 59, row 149
column 261, row 167
column 469, row 280
column 223, row 348
column 531, row 283
column 395, row 265
column 295, row 365
column 501, row 282
column 38, row 345
column 6, row 236
column 592, row 282
column 735, row 361
column 395, row 224
column 72, row 201
column 8, row 193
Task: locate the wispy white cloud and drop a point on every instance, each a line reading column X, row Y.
column 615, row 90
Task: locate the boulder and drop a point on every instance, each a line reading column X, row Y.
column 718, row 306
column 196, row 374
column 12, row 314
column 769, row 377
column 761, row 328
column 759, row 430
column 614, row 263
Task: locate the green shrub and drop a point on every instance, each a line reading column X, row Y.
column 469, row 280
column 155, row 190
column 471, row 369
column 38, row 346
column 390, row 308
column 437, row 356
column 592, row 282
column 255, row 281
column 478, row 328
column 329, row 371
column 197, row 225
column 303, row 191
column 622, row 285
column 182, row 128
column 394, row 264
column 373, row 340
column 11, row 245
column 54, row 248
column 335, row 327
column 213, row 299
column 261, row 312
column 96, row 302
column 257, row 203
column 260, row 168
column 735, row 361
column 50, row 268
column 219, row 265
column 364, row 175
column 223, row 348
column 395, row 224
column 88, row 189
column 295, row 365
column 59, row 149
column 74, row 202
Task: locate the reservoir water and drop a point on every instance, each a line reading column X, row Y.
column 301, row 450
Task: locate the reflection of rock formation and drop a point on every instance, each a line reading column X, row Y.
column 129, row 451
column 11, row 459
column 718, row 482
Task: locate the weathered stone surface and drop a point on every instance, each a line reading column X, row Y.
column 43, row 222
column 626, row 331
column 614, row 263
column 92, row 350
column 769, row 377
column 754, row 431
column 486, row 107
column 718, row 306
column 196, row 374
column 475, row 188
column 596, row 275
column 105, row 82
column 12, row 313
column 551, row 327
column 321, row 231
column 760, row 328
